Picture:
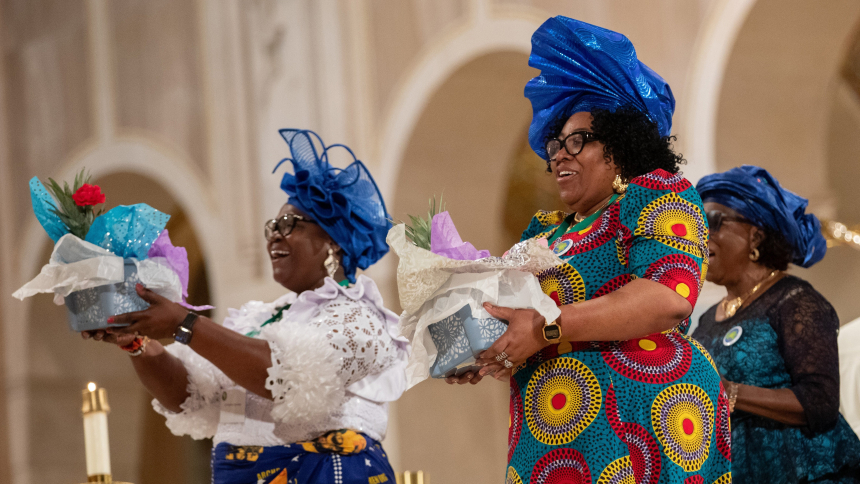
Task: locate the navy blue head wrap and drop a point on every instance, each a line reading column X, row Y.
column 756, row 196
column 345, row 203
column 585, row 67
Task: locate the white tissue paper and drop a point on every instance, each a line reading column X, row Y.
column 76, row 264
column 433, row 287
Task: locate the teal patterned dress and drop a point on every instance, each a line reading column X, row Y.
column 650, row 410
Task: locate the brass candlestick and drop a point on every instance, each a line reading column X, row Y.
column 95, row 409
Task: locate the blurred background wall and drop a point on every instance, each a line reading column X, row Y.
column 177, row 103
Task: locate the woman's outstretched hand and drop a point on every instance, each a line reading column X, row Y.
column 523, row 338
column 158, row 321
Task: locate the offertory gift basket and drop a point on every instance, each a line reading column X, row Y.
column 99, row 256
column 443, row 283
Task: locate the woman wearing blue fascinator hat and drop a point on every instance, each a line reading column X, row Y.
column 297, row 389
column 773, row 337
column 613, row 390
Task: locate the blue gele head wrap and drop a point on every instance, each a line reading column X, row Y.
column 756, row 196
column 585, row 67
column 346, row 203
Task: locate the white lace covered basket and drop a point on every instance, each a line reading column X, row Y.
column 442, row 300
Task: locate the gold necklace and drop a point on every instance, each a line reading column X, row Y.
column 577, row 218
column 731, row 306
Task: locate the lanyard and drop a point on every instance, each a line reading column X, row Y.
column 280, row 313
column 565, row 226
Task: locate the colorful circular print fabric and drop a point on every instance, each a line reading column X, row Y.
column 683, row 417
column 516, row 419
column 704, row 352
column 562, row 398
column 663, row 180
column 644, row 411
column 618, row 471
column 724, row 425
column 513, row 477
column 563, row 284
column 588, row 238
column 561, row 466
column 658, row 358
column 675, row 222
column 644, row 452
column 677, row 272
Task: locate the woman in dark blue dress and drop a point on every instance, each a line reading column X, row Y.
column 773, row 337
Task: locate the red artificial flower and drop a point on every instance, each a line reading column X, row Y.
column 88, row 195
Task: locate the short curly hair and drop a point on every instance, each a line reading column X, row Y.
column 775, row 252
column 630, row 138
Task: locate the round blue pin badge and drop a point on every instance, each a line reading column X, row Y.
column 562, row 246
column 733, row 336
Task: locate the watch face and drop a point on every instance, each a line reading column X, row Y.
column 551, row 331
column 183, row 337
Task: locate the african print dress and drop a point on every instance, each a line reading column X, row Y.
column 650, row 410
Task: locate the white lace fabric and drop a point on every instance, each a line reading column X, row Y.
column 336, row 363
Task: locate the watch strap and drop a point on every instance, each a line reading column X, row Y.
column 184, row 330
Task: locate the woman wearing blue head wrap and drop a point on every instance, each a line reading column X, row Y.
column 773, row 337
column 295, row 390
column 625, row 396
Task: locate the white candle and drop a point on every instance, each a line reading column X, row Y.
column 95, row 410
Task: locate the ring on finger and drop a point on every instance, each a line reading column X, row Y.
column 502, row 356
column 508, row 364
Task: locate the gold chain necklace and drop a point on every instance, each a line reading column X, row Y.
column 731, row 306
column 577, row 218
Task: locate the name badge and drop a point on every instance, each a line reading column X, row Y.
column 233, row 406
column 733, row 336
column 562, row 247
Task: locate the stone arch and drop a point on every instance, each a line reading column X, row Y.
column 54, row 362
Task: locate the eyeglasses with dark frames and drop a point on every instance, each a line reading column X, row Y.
column 283, row 225
column 716, row 219
column 572, row 143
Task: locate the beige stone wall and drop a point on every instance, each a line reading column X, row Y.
column 178, row 103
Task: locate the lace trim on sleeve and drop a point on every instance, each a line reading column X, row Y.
column 807, row 327
column 201, row 410
column 304, row 377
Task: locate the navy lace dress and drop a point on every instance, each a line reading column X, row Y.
column 785, row 339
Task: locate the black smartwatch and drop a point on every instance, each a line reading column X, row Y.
column 183, row 332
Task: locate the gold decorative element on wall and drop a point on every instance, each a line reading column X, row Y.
column 837, row 233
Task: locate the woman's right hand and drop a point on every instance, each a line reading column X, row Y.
column 113, row 338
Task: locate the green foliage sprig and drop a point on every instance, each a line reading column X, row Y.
column 75, row 204
column 419, row 232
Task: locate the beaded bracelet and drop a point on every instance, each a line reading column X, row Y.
column 733, row 396
column 137, row 346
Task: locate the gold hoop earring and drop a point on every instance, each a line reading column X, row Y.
column 754, row 255
column 619, row 186
column 331, row 264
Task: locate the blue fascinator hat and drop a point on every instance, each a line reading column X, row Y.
column 757, row 196
column 345, row 203
column 585, row 67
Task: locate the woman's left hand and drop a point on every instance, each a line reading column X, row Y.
column 523, row 338
column 158, row 321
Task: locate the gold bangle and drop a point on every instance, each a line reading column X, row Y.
column 733, row 396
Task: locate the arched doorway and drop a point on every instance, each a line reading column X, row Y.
column 462, row 145
column 783, row 105
column 61, row 363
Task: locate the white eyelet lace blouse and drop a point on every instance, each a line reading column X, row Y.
column 337, row 360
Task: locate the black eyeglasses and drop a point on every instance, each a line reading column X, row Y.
column 716, row 219
column 283, row 225
column 573, row 143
